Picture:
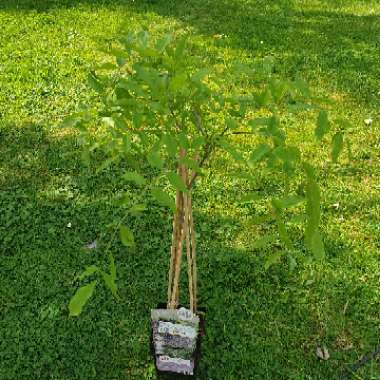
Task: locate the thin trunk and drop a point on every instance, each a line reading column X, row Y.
column 183, row 233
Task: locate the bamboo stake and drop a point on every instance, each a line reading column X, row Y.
column 175, row 237
column 188, row 253
column 194, row 274
column 177, row 266
column 183, row 230
column 183, row 233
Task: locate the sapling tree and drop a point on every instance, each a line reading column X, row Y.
column 159, row 105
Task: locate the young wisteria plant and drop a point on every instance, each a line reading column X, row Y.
column 158, row 104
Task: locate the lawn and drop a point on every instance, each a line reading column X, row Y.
column 261, row 324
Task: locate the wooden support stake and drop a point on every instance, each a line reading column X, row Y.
column 174, row 247
column 177, row 266
column 188, row 252
column 175, row 257
column 194, row 274
column 183, row 231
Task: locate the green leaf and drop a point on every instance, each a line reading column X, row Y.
column 278, row 89
column 231, row 123
column 120, row 61
column 163, row 198
column 178, row 82
column 323, row 125
column 264, row 241
column 317, row 247
column 80, row 298
column 281, row 226
column 110, row 282
column 155, row 159
column 292, row 263
column 110, row 279
column 198, row 142
column 112, row 266
column 144, row 139
column 180, row 48
column 88, row 272
column 344, row 124
column 287, row 153
column 231, row 150
column 313, row 204
column 191, row 164
column 337, row 146
column 71, row 121
column 272, row 259
column 171, row 145
column 163, row 42
column 107, row 163
column 126, row 237
column 199, row 75
column 259, row 153
column 309, row 170
column 302, row 87
column 270, row 128
column 176, row 181
column 94, row 82
column 290, row 201
column 262, row 98
column 135, row 177
column 109, row 122
column 183, row 141
column 116, row 52
column 126, row 143
column 123, row 199
column 137, row 209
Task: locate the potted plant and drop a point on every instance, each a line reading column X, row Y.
column 159, row 104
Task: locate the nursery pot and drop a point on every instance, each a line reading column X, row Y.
column 167, row 374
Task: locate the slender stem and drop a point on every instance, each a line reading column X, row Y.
column 243, row 133
column 209, row 148
column 206, row 153
column 199, row 124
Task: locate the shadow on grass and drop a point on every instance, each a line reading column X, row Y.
column 263, row 324
column 337, row 50
column 260, row 325
column 47, row 5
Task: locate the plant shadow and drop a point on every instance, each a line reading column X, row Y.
column 262, row 323
column 317, row 44
column 333, row 49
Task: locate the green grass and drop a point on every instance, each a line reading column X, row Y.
column 260, row 324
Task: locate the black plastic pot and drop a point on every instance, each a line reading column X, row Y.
column 163, row 375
